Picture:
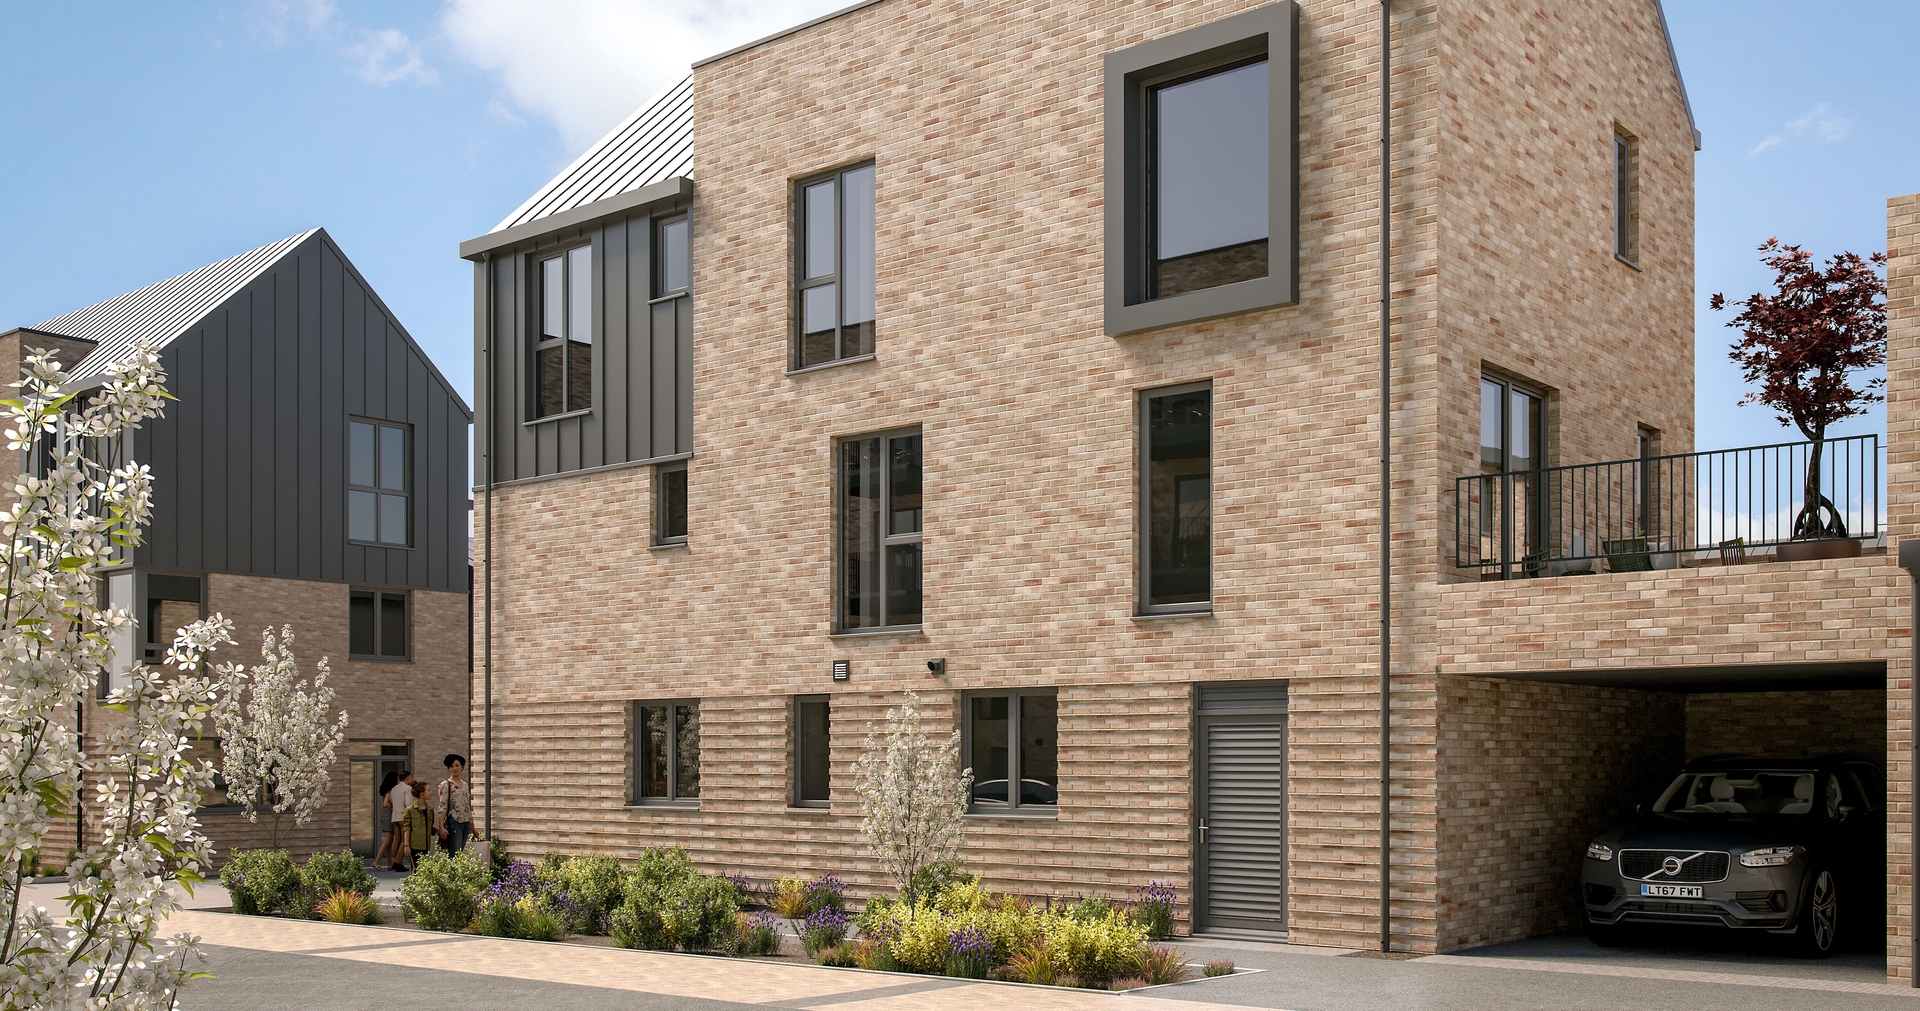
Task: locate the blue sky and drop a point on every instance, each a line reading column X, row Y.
column 139, row 140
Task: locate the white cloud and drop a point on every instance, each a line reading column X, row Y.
column 387, row 56
column 1818, row 121
column 585, row 65
column 275, row 17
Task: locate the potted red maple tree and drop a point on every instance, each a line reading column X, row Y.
column 1802, row 348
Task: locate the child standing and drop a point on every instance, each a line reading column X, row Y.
column 416, row 828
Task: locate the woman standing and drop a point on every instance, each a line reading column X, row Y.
column 395, row 797
column 455, row 803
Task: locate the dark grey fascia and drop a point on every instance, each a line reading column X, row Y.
column 1272, row 29
column 616, row 206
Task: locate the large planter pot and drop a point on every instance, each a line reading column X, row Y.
column 1803, row 551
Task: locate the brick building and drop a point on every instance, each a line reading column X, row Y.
column 1090, row 295
column 312, row 473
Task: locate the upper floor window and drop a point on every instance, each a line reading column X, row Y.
column 173, row 602
column 1512, row 441
column 1626, row 196
column 377, row 482
column 672, row 256
column 670, row 503
column 880, row 531
column 835, row 268
column 563, row 351
column 1176, row 493
column 377, row 625
column 1200, row 195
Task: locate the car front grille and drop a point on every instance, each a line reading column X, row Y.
column 1695, row 865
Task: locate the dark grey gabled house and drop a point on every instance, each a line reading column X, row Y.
column 313, row 473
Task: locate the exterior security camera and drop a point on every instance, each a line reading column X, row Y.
column 937, row 667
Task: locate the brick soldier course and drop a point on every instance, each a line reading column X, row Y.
column 984, row 123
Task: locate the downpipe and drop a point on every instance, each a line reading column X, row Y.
column 486, row 663
column 1386, row 474
column 1910, row 561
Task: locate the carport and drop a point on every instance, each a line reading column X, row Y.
column 1533, row 765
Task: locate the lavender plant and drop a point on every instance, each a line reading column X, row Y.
column 71, row 515
column 1153, row 909
column 969, row 953
column 823, row 929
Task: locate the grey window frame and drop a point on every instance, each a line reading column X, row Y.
column 1143, row 529
column 800, row 755
column 1129, row 73
column 154, row 649
column 887, row 539
column 802, row 283
column 1013, row 808
column 658, row 283
column 406, row 477
column 661, row 536
column 673, row 798
column 1626, row 197
column 379, row 598
column 538, row 340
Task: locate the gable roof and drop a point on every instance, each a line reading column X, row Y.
column 653, row 144
column 1678, row 78
column 158, row 313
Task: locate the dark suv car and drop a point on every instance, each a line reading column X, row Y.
column 1794, row 847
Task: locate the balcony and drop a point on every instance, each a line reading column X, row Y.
column 1724, row 507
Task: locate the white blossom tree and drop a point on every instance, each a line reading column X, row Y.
column 277, row 741
column 913, row 794
column 72, row 512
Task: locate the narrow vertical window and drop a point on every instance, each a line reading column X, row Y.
column 880, row 531
column 672, row 257
column 1011, row 744
column 1626, row 196
column 670, row 504
column 835, row 272
column 377, row 492
column 377, row 625
column 1513, row 445
column 666, row 752
column 563, row 350
column 1177, row 498
column 811, row 775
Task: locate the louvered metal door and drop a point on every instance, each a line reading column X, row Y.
column 1241, row 830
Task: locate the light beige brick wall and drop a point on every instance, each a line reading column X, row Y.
column 1788, row 723
column 1903, row 521
column 984, row 120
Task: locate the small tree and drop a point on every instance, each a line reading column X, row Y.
column 913, row 794
column 71, row 514
column 275, row 735
column 1801, row 347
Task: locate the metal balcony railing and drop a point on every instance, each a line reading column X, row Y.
column 1657, row 512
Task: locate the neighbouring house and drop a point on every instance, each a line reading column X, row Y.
column 1026, row 355
column 313, row 473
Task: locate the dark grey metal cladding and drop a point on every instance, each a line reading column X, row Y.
column 643, row 357
column 250, row 465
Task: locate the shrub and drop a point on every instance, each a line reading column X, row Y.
column 326, row 873
column 1035, row 964
column 1218, row 967
column 1153, row 909
column 790, row 898
column 262, row 882
column 440, row 893
column 634, row 925
column 1091, row 909
column 969, row 953
column 525, row 903
column 497, row 857
column 700, row 912
column 660, row 867
column 1099, row 950
column 756, row 934
column 871, row 953
column 839, row 956
column 931, row 881
column 668, row 904
column 346, row 906
column 1160, row 966
column 597, row 885
column 824, row 929
column 826, row 892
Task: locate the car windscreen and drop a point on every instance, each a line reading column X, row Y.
column 1760, row 792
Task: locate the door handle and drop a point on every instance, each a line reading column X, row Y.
column 1203, row 830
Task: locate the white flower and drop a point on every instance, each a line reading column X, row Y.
column 913, row 794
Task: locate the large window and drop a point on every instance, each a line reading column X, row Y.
column 1626, row 196
column 1200, row 165
column 377, row 625
column 670, row 503
column 1176, row 492
column 880, row 517
column 1512, row 441
column 377, row 483
column 563, row 351
column 666, row 752
column 812, row 778
column 835, row 267
column 1013, row 749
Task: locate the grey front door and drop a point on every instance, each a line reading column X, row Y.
column 1240, row 831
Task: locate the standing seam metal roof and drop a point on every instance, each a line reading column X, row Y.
column 158, row 313
column 654, row 143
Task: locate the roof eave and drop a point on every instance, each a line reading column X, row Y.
column 1678, row 79
column 620, row 205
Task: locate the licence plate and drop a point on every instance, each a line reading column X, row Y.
column 1673, row 891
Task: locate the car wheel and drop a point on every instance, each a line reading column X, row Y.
column 1820, row 919
column 1609, row 935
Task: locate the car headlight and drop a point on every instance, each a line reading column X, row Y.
column 1770, row 856
column 1596, row 851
